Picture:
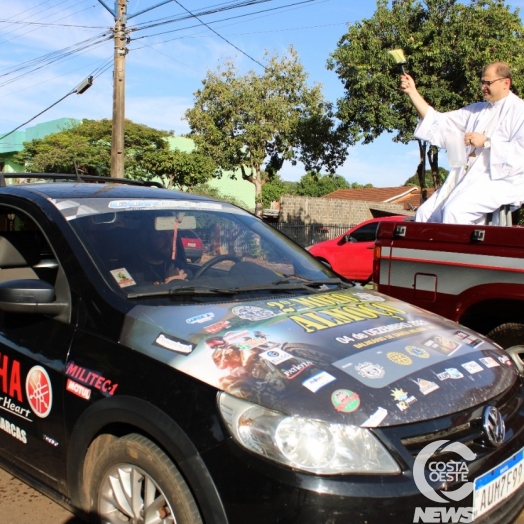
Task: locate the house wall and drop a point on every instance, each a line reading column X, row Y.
column 240, row 189
column 14, row 142
column 330, row 211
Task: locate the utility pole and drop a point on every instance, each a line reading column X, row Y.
column 119, row 91
column 119, row 81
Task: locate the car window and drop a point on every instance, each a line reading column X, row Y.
column 24, row 251
column 137, row 248
column 187, row 233
column 367, row 233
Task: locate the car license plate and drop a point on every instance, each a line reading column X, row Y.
column 191, row 244
column 498, row 484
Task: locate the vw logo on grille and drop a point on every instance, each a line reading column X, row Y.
column 494, row 426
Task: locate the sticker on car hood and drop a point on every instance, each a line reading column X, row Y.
column 337, row 355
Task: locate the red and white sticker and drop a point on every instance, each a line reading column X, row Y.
column 78, row 389
column 39, row 391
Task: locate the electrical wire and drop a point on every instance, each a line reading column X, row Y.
column 106, row 64
column 56, row 56
column 43, row 11
column 34, row 29
column 51, row 24
column 235, row 17
column 36, row 116
column 222, row 37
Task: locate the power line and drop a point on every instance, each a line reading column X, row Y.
column 38, row 64
column 79, row 89
column 235, row 17
column 69, row 14
column 106, row 64
column 51, row 24
column 222, row 37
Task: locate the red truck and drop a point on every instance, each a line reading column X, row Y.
column 471, row 274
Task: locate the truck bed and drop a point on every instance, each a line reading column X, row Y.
column 470, row 274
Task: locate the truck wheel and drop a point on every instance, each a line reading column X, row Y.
column 507, row 335
column 135, row 481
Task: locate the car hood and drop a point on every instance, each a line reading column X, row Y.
column 354, row 356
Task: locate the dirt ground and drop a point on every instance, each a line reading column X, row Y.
column 20, row 504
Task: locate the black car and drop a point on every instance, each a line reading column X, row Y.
column 254, row 386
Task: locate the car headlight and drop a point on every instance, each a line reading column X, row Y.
column 306, row 444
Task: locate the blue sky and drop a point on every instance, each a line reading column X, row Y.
column 167, row 63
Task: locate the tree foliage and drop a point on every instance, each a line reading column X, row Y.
column 414, row 181
column 89, row 145
column 178, row 169
column 446, row 44
column 273, row 189
column 257, row 122
column 86, row 147
column 213, row 192
column 316, row 185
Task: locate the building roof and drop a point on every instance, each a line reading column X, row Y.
column 407, row 195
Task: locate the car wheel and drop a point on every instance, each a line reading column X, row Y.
column 508, row 334
column 135, row 481
column 195, row 260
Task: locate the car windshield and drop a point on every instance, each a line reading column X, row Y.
column 138, row 248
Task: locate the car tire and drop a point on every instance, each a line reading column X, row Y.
column 195, row 260
column 135, row 481
column 508, row 334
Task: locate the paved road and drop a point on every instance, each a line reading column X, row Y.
column 20, row 504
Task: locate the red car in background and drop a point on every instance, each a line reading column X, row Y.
column 192, row 244
column 351, row 254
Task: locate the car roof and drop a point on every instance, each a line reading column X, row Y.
column 382, row 219
column 96, row 190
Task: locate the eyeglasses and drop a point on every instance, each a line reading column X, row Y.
column 489, row 82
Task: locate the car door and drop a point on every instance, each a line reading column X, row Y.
column 355, row 256
column 33, row 349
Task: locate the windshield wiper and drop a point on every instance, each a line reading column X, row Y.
column 314, row 283
column 290, row 284
column 285, row 284
column 182, row 291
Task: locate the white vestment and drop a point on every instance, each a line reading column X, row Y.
column 493, row 176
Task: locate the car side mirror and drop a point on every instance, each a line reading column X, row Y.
column 29, row 296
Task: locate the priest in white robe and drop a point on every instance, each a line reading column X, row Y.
column 486, row 141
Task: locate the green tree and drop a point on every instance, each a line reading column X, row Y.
column 429, row 180
column 316, row 185
column 89, row 146
column 273, row 189
column 446, row 44
column 213, row 192
column 254, row 123
column 178, row 169
column 86, row 147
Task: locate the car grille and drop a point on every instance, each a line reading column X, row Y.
column 467, row 427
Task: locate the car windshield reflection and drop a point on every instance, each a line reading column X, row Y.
column 164, row 252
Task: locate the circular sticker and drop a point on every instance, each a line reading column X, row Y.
column 39, row 391
column 399, row 358
column 252, row 313
column 417, row 352
column 345, row 400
